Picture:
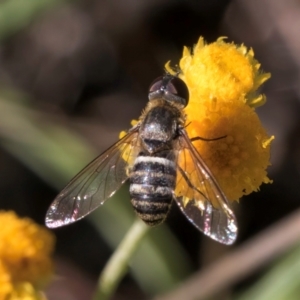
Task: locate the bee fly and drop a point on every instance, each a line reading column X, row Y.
column 156, row 156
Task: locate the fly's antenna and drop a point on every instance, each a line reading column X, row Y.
column 175, row 71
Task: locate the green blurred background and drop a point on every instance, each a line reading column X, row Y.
column 73, row 74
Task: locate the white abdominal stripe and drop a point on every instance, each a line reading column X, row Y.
column 155, row 159
column 150, row 190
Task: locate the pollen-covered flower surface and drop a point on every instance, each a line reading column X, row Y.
column 25, row 257
column 223, row 79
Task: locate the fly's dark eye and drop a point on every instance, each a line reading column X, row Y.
column 156, row 85
column 177, row 87
column 169, row 88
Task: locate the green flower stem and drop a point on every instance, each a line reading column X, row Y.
column 117, row 266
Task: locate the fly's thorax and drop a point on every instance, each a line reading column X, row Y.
column 159, row 125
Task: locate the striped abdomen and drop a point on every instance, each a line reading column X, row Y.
column 152, row 181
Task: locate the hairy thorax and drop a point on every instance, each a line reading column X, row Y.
column 159, row 125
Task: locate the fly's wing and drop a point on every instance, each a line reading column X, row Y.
column 94, row 184
column 200, row 197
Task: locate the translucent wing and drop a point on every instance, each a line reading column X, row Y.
column 94, row 184
column 200, row 197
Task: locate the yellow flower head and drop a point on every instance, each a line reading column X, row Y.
column 222, row 71
column 6, row 286
column 223, row 79
column 25, row 252
column 17, row 290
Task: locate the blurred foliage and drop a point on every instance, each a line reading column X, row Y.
column 125, row 45
column 16, row 14
column 280, row 282
column 46, row 148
